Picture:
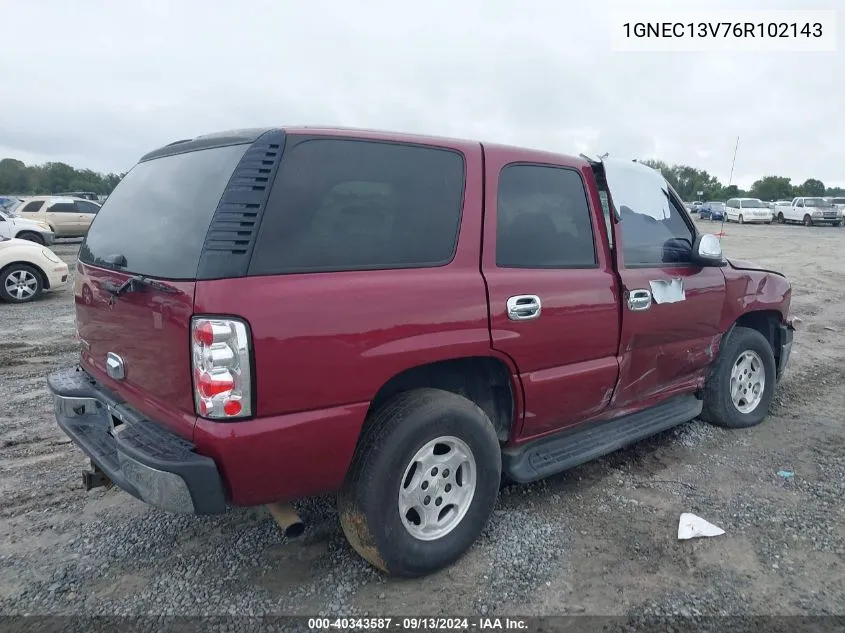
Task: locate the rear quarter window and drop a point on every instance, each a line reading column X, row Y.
column 32, row 207
column 340, row 205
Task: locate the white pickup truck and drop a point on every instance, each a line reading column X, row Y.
column 809, row 211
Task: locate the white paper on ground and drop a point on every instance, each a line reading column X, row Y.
column 691, row 526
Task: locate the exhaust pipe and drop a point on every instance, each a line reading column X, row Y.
column 287, row 519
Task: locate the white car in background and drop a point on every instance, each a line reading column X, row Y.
column 837, row 201
column 810, row 210
column 28, row 269
column 781, row 209
column 746, row 210
column 24, row 229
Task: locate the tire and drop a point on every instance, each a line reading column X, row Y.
column 31, row 237
column 781, row 219
column 369, row 506
column 741, row 219
column 20, row 283
column 837, row 224
column 808, row 221
column 719, row 407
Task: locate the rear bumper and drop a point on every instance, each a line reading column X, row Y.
column 139, row 456
column 785, row 334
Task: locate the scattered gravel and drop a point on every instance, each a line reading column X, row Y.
column 598, row 540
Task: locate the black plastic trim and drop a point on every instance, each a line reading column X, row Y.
column 232, row 233
column 573, row 447
column 219, row 139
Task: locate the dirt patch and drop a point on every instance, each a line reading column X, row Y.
column 600, row 539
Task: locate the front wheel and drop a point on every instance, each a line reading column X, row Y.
column 808, row 221
column 741, row 219
column 741, row 383
column 31, row 237
column 423, row 482
column 781, row 219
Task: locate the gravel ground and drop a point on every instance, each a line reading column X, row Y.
column 600, row 539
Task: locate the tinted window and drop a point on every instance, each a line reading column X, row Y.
column 86, row 207
column 158, row 215
column 32, row 207
column 542, row 219
column 654, row 227
column 63, row 207
column 358, row 205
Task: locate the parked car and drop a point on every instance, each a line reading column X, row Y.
column 809, row 211
column 744, row 210
column 8, row 204
column 27, row 269
column 66, row 217
column 272, row 314
column 838, row 202
column 780, row 208
column 83, row 195
column 24, row 229
column 712, row 211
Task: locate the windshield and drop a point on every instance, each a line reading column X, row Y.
column 753, row 203
column 816, row 202
column 157, row 218
column 838, row 201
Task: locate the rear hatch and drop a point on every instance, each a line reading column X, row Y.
column 137, row 272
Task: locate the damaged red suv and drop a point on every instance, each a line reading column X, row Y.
column 405, row 321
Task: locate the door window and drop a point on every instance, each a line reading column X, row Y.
column 655, row 230
column 542, row 219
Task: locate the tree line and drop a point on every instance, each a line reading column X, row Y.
column 696, row 184
column 18, row 178
column 21, row 179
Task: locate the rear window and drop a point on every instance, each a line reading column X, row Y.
column 360, row 205
column 158, row 216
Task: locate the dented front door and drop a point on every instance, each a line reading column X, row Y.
column 671, row 308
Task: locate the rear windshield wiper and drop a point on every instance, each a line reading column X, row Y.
column 134, row 283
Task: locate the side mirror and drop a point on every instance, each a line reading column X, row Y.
column 707, row 251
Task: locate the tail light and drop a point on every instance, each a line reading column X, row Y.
column 220, row 352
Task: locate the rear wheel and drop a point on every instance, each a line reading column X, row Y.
column 423, row 482
column 20, row 283
column 31, row 237
column 741, row 383
column 837, row 224
column 808, row 221
column 781, row 219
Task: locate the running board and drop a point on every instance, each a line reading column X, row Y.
column 555, row 453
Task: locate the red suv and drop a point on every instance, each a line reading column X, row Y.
column 277, row 313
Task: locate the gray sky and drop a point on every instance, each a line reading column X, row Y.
column 96, row 83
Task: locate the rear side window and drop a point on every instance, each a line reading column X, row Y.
column 32, row 207
column 342, row 205
column 63, row 207
column 86, row 207
column 542, row 219
column 157, row 217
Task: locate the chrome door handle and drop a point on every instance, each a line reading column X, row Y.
column 524, row 307
column 639, row 300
